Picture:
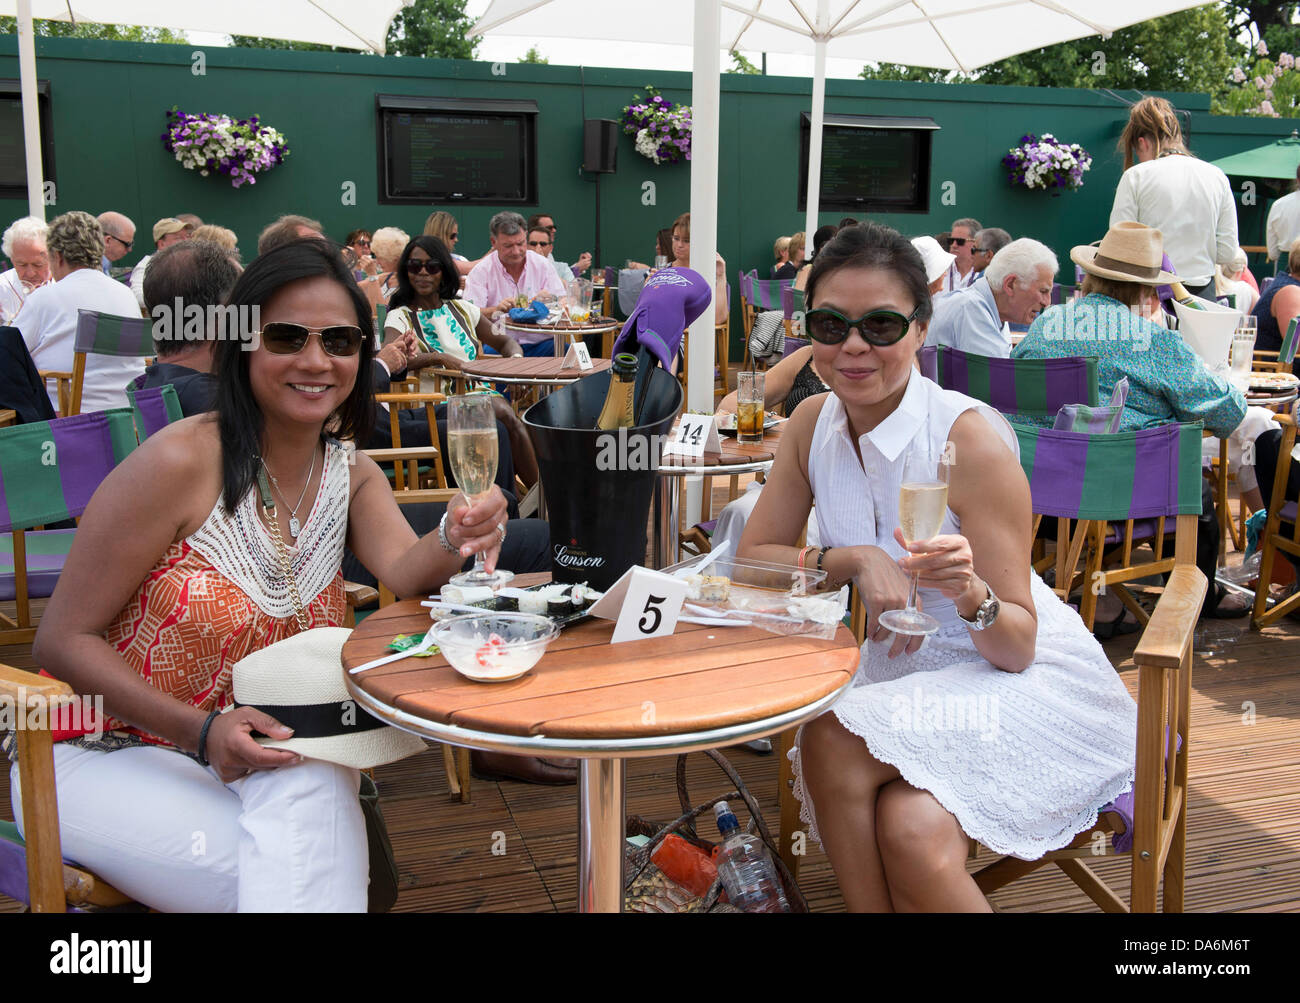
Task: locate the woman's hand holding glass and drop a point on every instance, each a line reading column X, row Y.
column 883, row 586
column 945, row 564
column 472, row 525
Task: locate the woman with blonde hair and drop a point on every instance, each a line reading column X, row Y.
column 387, row 246
column 1163, row 186
column 443, row 225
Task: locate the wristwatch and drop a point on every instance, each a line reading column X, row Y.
column 985, row 614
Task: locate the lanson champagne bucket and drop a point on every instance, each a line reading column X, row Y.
column 598, row 485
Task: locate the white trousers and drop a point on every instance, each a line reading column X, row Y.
column 732, row 519
column 167, row 832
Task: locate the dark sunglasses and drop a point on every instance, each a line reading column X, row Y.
column 879, row 327
column 540, row 243
column 960, row 241
column 428, row 265
column 125, row 243
column 282, row 338
column 455, row 236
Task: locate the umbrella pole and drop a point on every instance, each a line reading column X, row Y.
column 31, row 110
column 818, row 114
column 704, row 211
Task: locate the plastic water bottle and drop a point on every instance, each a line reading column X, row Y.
column 747, row 871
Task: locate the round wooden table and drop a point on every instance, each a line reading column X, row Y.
column 605, row 326
column 701, row 688
column 536, row 371
column 735, row 458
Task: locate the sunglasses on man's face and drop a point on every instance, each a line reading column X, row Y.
column 426, row 265
column 540, row 243
column 960, row 241
column 879, row 327
column 282, row 338
column 125, row 243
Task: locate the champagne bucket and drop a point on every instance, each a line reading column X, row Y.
column 1208, row 331
column 598, row 485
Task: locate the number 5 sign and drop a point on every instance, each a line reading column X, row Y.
column 643, row 603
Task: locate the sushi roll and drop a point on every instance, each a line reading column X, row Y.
column 533, row 601
column 715, row 588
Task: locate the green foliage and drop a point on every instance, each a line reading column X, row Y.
column 533, row 56
column 739, row 64
column 1185, row 51
column 1267, row 88
column 104, row 32
column 433, row 28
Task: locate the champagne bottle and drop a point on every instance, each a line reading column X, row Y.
column 617, row 411
column 1182, row 296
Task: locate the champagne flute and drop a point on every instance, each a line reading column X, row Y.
column 922, row 502
column 472, row 449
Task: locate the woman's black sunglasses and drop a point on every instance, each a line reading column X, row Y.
column 879, row 327
column 282, row 338
column 425, row 265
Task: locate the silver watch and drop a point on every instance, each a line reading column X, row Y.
column 985, row 614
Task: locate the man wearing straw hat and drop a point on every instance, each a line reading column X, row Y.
column 1167, row 380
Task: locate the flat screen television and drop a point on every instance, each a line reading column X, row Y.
column 13, row 150
column 870, row 163
column 453, row 150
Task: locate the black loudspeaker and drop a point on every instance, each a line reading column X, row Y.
column 599, row 145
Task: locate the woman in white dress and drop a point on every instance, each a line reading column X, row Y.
column 1009, row 725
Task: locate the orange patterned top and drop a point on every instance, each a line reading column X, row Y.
column 220, row 595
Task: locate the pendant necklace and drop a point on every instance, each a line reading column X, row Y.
column 294, row 526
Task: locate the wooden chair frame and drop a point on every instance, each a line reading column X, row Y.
column 396, row 402
column 1273, row 539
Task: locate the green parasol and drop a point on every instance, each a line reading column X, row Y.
column 1278, row 159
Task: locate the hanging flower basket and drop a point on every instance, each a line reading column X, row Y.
column 1047, row 164
column 218, row 144
column 662, row 129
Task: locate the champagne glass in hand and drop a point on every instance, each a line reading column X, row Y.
column 472, row 445
column 922, row 502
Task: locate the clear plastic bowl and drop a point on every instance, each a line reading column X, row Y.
column 466, row 643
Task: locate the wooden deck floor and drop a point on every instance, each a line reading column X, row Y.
column 1243, row 830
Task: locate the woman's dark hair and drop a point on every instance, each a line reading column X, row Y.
column 240, row 421
column 664, row 239
column 448, row 288
column 823, row 236
column 356, row 235
column 870, row 245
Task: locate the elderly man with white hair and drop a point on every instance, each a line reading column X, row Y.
column 1016, row 288
column 24, row 246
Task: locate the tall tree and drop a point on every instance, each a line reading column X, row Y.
column 87, row 29
column 434, row 28
column 1189, row 50
column 533, row 56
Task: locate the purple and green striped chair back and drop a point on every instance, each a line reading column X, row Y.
column 1290, row 340
column 153, row 408
column 746, row 286
column 1030, row 387
column 765, row 294
column 1143, row 474
column 49, row 469
column 106, row 334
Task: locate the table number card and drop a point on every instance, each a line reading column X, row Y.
column 643, row 604
column 577, row 355
column 696, row 435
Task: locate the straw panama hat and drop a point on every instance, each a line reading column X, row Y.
column 299, row 682
column 937, row 261
column 1130, row 252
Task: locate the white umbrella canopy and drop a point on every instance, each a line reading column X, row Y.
column 945, row 34
column 356, row 25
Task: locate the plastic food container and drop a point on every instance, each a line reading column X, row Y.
column 494, row 647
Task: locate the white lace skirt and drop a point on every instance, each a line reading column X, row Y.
column 1024, row 761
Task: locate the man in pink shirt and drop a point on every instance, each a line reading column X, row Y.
column 509, row 271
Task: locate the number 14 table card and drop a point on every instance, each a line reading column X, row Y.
column 696, row 435
column 643, row 604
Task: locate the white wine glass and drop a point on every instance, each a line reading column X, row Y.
column 922, row 503
column 472, row 449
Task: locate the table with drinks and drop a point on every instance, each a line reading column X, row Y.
column 702, row 687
